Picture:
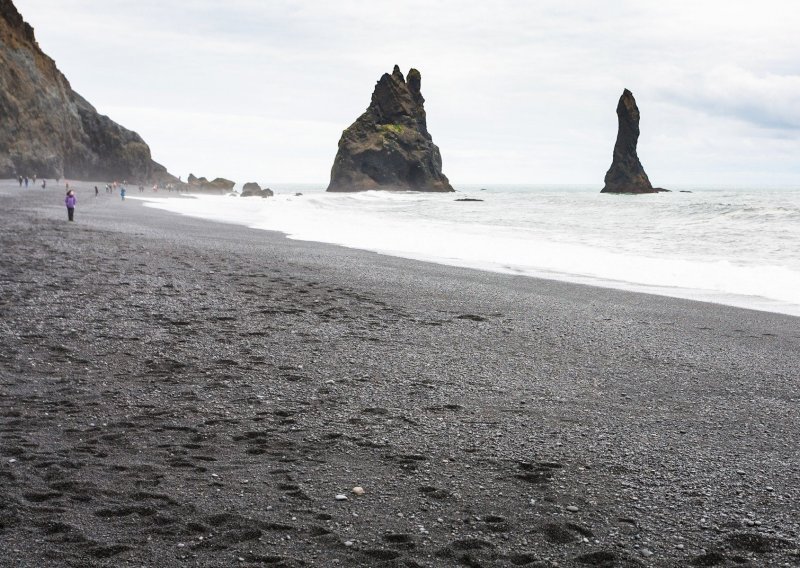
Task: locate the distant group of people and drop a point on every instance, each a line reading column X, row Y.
column 113, row 187
column 71, row 200
column 169, row 187
column 24, row 180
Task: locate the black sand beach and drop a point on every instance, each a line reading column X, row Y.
column 176, row 392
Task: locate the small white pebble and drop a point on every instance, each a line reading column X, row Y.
column 572, row 509
column 358, row 490
column 341, row 497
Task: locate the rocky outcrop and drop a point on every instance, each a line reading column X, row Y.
column 252, row 189
column 49, row 130
column 626, row 174
column 201, row 184
column 389, row 147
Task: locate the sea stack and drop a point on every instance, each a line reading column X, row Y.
column 202, row 185
column 626, row 174
column 389, row 147
column 49, row 130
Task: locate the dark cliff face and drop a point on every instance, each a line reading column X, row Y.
column 626, row 174
column 389, row 147
column 49, row 130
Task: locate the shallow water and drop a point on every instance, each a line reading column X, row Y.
column 737, row 246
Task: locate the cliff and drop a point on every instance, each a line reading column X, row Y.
column 389, row 147
column 626, row 174
column 49, row 130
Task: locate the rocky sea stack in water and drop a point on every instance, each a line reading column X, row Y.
column 202, row 185
column 252, row 189
column 626, row 174
column 389, row 147
column 49, row 130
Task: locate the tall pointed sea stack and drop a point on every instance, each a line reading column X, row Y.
column 626, row 174
column 49, row 130
column 389, row 147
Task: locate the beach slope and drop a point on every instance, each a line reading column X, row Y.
column 175, row 392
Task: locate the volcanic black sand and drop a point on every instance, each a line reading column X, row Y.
column 177, row 392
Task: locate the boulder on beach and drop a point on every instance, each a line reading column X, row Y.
column 252, row 189
column 389, row 147
column 49, row 130
column 626, row 174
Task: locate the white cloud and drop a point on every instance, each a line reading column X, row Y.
column 768, row 101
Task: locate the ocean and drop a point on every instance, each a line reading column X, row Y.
column 735, row 246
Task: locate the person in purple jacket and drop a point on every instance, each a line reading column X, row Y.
column 70, row 201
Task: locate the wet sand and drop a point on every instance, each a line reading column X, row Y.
column 176, row 392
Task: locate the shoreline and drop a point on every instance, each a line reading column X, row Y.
column 717, row 296
column 556, row 279
column 167, row 379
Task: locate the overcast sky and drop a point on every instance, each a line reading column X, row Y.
column 516, row 91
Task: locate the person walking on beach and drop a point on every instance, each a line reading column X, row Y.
column 70, row 201
column 96, row 191
column 122, row 192
column 19, row 179
column 44, row 184
column 26, row 182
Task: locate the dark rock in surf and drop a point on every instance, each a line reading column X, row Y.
column 468, row 199
column 626, row 174
column 202, row 185
column 252, row 189
column 49, row 130
column 389, row 147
